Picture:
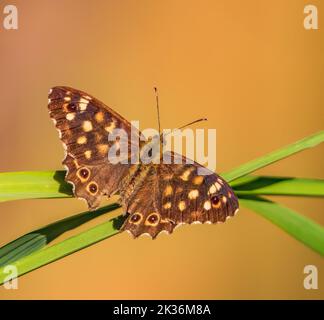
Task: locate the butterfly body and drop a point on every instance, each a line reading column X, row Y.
column 157, row 197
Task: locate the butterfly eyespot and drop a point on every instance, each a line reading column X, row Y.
column 92, row 188
column 71, row 107
column 215, row 201
column 136, row 218
column 84, row 173
column 152, row 219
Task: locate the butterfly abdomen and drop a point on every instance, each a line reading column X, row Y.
column 137, row 178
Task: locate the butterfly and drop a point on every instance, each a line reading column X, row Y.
column 156, row 197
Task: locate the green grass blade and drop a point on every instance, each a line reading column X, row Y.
column 285, row 186
column 38, row 239
column 37, row 184
column 66, row 247
column 244, row 169
column 298, row 226
column 51, row 184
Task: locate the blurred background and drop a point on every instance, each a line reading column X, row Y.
column 249, row 67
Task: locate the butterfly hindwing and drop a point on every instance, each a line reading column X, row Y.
column 140, row 203
column 174, row 194
column 187, row 197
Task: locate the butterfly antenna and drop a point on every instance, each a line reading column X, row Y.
column 193, row 122
column 157, row 107
column 186, row 125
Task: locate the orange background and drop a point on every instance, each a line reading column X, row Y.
column 249, row 66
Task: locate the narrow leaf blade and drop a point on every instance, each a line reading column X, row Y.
column 298, row 226
column 38, row 239
column 57, row 251
column 246, row 168
column 33, row 185
column 284, row 186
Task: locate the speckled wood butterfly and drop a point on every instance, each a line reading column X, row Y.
column 157, row 197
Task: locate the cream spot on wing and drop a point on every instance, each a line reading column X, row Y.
column 198, row 180
column 212, row 189
column 218, row 186
column 220, row 181
column 111, row 127
column 67, row 98
column 99, row 116
column 50, row 91
column 70, row 116
column 83, row 103
column 236, row 211
column 49, row 100
column 207, row 205
column 193, row 194
column 167, row 205
column 87, row 126
column 102, row 148
column 182, row 205
column 82, row 140
column 185, row 175
column 76, row 163
column 87, row 154
column 224, row 199
column 168, row 190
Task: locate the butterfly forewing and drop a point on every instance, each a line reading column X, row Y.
column 84, row 123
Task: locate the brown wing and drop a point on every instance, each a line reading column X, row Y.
column 173, row 194
column 140, row 203
column 84, row 123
